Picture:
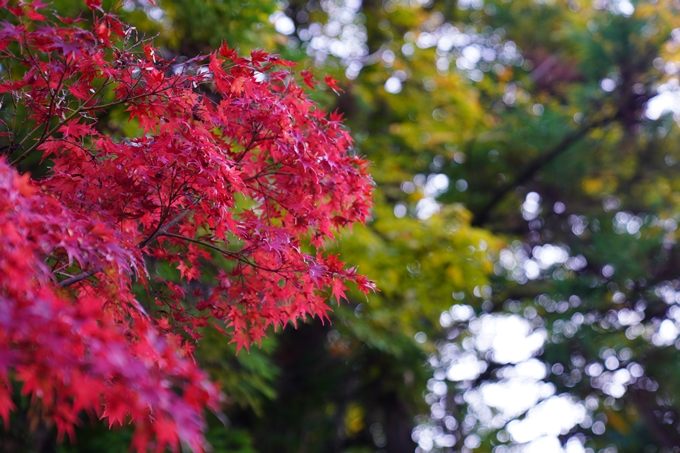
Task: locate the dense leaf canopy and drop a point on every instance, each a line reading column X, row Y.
column 230, row 164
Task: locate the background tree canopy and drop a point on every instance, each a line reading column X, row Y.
column 526, row 156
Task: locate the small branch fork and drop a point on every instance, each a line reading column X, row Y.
column 159, row 231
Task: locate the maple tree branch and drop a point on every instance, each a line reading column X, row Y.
column 77, row 278
column 253, row 139
column 163, row 229
column 205, row 244
column 159, row 231
column 53, row 103
column 482, row 216
column 223, row 251
column 35, row 61
column 14, row 131
column 80, row 109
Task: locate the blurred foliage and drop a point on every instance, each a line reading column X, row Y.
column 400, row 253
column 192, row 27
column 188, row 28
column 563, row 155
column 247, row 379
column 539, row 115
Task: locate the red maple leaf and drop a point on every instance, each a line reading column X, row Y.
column 188, row 272
column 93, row 4
column 332, row 83
column 308, row 78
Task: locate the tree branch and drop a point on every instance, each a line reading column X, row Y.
column 482, row 216
column 47, row 133
column 223, row 251
column 77, row 278
column 159, row 231
column 162, row 230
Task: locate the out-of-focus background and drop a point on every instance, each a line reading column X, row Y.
column 526, row 157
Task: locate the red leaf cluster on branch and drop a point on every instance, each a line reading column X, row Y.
column 233, row 170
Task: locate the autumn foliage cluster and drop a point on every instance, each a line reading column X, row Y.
column 233, row 167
